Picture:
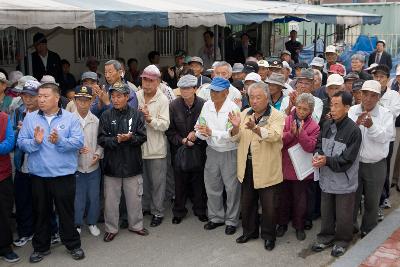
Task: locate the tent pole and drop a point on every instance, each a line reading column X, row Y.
column 216, row 39
column 315, row 39
column 326, row 27
column 26, row 52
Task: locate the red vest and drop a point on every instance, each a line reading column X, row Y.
column 5, row 160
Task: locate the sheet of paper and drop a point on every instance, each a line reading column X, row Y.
column 302, row 161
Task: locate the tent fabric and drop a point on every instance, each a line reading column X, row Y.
column 69, row 14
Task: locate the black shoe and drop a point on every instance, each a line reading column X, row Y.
column 363, row 234
column 11, row 257
column 124, row 224
column 146, row 212
column 245, row 238
column 38, row 256
column 156, row 221
column 281, row 230
column 230, row 230
column 176, row 220
column 212, row 225
column 308, row 225
column 77, row 254
column 318, row 247
column 300, row 235
column 337, row 251
column 269, row 245
column 203, row 218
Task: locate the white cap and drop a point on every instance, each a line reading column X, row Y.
column 373, row 65
column 286, row 66
column 334, row 79
column 263, row 63
column 330, row 49
column 317, row 62
column 371, row 85
column 398, row 70
column 253, row 77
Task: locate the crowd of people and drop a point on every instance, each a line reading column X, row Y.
column 114, row 147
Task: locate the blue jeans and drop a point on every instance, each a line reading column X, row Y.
column 87, row 196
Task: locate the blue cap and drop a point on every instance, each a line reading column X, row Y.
column 219, row 84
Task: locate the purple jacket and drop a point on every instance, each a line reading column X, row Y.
column 307, row 139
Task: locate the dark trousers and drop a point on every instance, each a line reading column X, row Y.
column 269, row 199
column 6, row 206
column 386, row 187
column 336, row 218
column 293, row 203
column 371, row 178
column 23, row 203
column 60, row 191
column 189, row 185
column 313, row 201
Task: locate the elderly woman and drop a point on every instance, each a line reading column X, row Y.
column 301, row 129
column 258, row 130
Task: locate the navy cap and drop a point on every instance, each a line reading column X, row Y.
column 357, row 85
column 83, row 91
column 219, row 84
column 31, row 88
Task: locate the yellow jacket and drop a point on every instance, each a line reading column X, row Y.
column 265, row 150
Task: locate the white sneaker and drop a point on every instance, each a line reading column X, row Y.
column 380, row 215
column 79, row 230
column 94, row 230
column 20, row 242
column 387, row 204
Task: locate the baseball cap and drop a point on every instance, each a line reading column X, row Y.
column 120, row 87
column 83, row 91
column 357, row 85
column 3, row 78
column 89, row 75
column 180, row 53
column 317, row 62
column 22, row 81
column 196, row 59
column 382, row 68
column 187, row 81
column 372, row 66
column 276, row 78
column 334, row 79
column 263, row 63
column 151, row 72
column 286, row 52
column 48, row 79
column 219, row 84
column 286, row 66
column 276, row 64
column 351, row 76
column 371, row 85
column 306, row 74
column 330, row 49
column 253, row 77
column 31, row 88
column 248, row 69
column 338, row 69
column 237, row 67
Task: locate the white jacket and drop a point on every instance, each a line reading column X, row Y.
column 376, row 139
column 156, row 145
column 219, row 124
column 391, row 101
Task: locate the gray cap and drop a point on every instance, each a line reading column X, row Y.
column 187, row 81
column 286, row 52
column 351, row 76
column 120, row 87
column 196, row 59
column 48, row 79
column 21, row 82
column 276, row 78
column 306, row 74
column 237, row 67
column 89, row 75
column 317, row 62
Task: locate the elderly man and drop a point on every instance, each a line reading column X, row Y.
column 380, row 56
column 154, row 106
column 263, row 69
column 349, row 80
column 251, row 78
column 357, row 66
column 376, row 125
column 317, row 80
column 317, row 63
column 390, row 99
column 331, row 57
column 338, row 161
column 113, row 71
column 197, row 66
column 220, row 169
column 52, row 138
column 237, row 72
column 259, row 167
column 87, row 79
column 121, row 133
column 356, row 91
column 221, row 69
column 184, row 113
column 276, row 84
column 335, row 83
column 304, row 84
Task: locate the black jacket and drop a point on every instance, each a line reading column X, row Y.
column 53, row 66
column 238, row 55
column 122, row 159
column 386, row 59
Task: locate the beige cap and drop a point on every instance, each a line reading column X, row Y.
column 371, row 85
column 330, row 49
column 334, row 79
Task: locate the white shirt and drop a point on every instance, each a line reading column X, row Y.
column 50, row 118
column 234, row 93
column 219, row 124
column 317, row 113
column 44, row 60
column 376, row 139
column 391, row 101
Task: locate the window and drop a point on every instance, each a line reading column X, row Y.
column 101, row 43
column 170, row 39
column 9, row 46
